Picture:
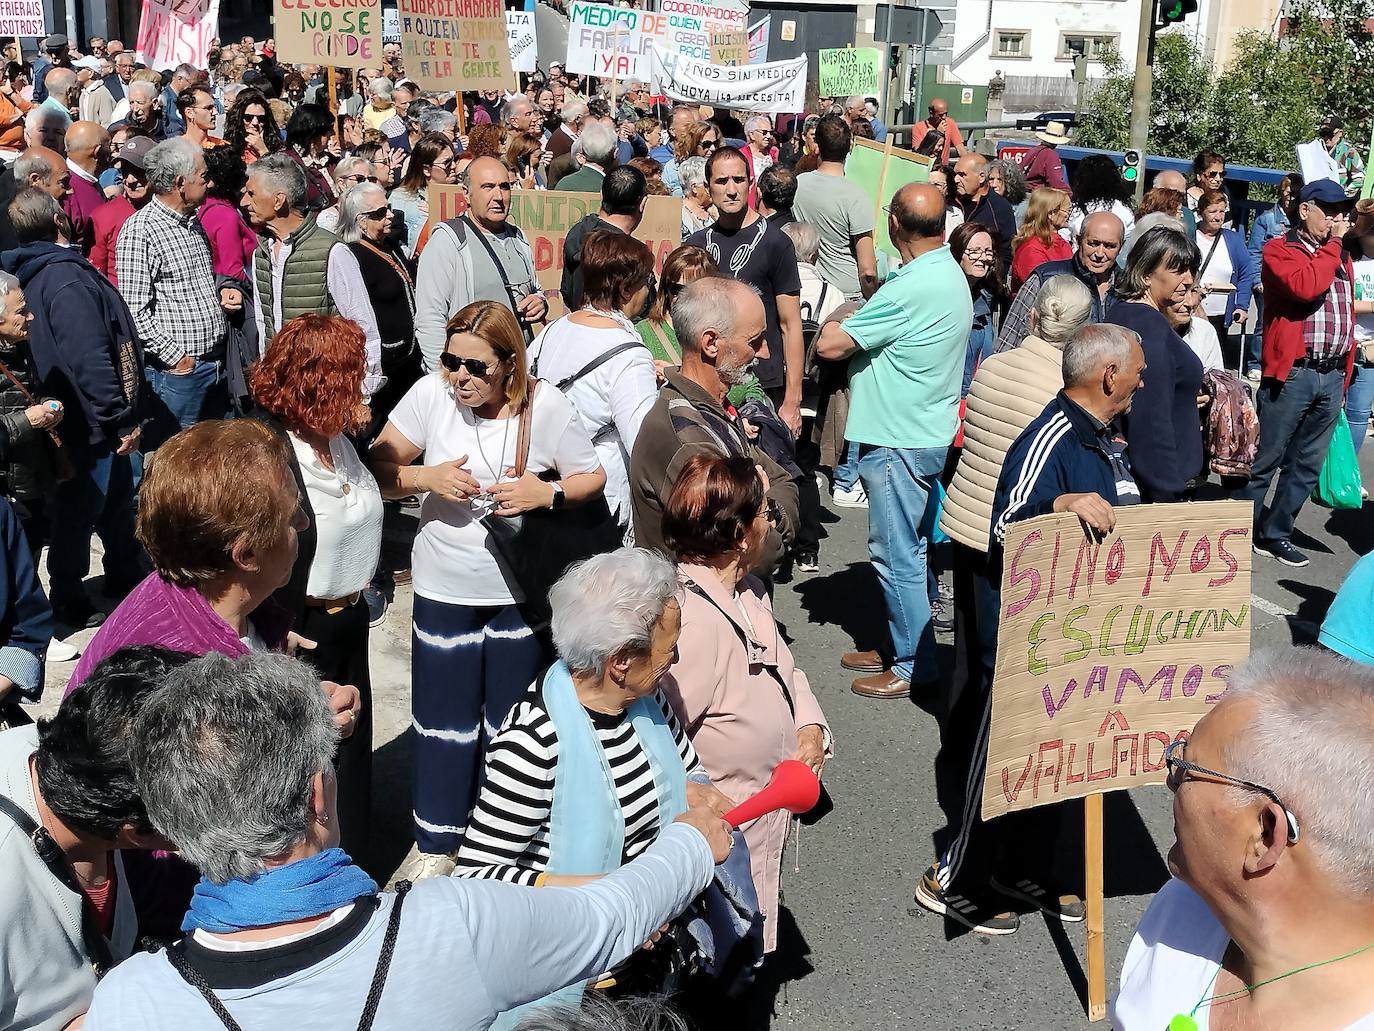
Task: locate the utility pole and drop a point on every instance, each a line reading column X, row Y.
column 1144, row 82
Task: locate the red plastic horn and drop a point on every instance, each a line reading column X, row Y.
column 794, row 786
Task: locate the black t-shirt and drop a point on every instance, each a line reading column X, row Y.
column 571, row 284
column 761, row 255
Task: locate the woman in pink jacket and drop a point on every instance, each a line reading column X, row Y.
column 742, row 700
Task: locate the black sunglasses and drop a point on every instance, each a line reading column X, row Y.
column 673, row 289
column 361, row 178
column 475, row 366
column 378, row 214
column 255, row 118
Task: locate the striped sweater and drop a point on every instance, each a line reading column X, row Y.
column 508, row 835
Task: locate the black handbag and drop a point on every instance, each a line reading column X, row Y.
column 537, row 547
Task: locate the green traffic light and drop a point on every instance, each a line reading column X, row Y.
column 1129, row 174
column 1173, row 11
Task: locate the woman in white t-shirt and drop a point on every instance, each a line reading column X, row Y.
column 596, row 358
column 472, row 654
column 309, row 388
column 1228, row 274
column 1196, row 332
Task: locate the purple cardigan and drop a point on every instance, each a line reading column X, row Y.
column 161, row 613
column 231, row 241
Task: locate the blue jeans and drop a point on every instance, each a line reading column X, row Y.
column 1358, row 400
column 1296, row 418
column 98, row 499
column 1254, row 342
column 183, row 401
column 847, row 472
column 899, row 482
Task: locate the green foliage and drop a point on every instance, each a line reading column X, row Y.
column 1262, row 105
column 1180, row 105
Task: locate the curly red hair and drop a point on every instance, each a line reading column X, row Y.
column 312, row 374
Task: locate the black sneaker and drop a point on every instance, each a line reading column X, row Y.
column 1283, row 551
column 941, row 616
column 79, row 614
column 377, row 604
column 1065, row 906
column 808, row 562
column 975, row 915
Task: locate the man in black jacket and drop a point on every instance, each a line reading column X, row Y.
column 984, row 205
column 624, row 192
column 87, row 355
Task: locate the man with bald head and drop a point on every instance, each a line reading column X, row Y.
column 982, row 204
column 46, row 169
column 88, row 149
column 938, row 134
column 1093, row 264
column 1169, row 179
column 63, row 90
column 907, row 344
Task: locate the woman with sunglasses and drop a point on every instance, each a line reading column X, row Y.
column 431, row 161
column 250, row 128
column 473, row 655
column 349, row 172
column 697, row 139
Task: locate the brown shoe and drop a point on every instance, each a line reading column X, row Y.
column 882, row 685
column 863, row 662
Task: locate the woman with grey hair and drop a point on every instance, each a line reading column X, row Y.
column 1162, row 427
column 1006, row 178
column 696, row 197
column 349, row 172
column 233, row 759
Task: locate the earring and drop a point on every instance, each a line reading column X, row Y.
column 322, row 818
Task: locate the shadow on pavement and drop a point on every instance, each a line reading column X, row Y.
column 849, row 598
column 1353, row 526
column 392, row 831
column 710, row 1011
column 1315, row 600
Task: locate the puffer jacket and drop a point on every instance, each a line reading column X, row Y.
column 1008, row 391
column 28, row 456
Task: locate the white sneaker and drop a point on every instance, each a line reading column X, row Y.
column 1253, row 375
column 429, row 864
column 62, row 651
column 856, row 497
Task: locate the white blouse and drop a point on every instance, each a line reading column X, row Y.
column 348, row 519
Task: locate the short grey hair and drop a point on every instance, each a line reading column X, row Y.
column 140, row 86
column 8, row 283
column 1094, row 346
column 597, row 1013
column 281, row 174
column 512, row 107
column 572, row 111
column 756, row 121
column 705, row 304
column 225, row 754
column 692, row 172
column 348, row 164
column 806, row 239
column 1062, row 307
column 380, row 87
column 351, row 207
column 230, row 92
column 609, row 604
column 31, row 162
column 186, row 71
column 168, row 160
column 1312, row 703
column 40, row 115
column 436, row 119
column 1158, row 247
column 599, row 143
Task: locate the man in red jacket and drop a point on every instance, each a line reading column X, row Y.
column 1309, row 319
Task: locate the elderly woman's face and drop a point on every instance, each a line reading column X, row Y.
column 995, row 181
column 1180, row 309
column 476, row 372
column 645, row 670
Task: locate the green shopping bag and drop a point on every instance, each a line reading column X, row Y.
column 1338, row 486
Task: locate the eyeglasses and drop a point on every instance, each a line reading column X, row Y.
column 475, row 366
column 978, row 255
column 377, row 215
column 673, row 289
column 255, row 118
column 708, row 144
column 1179, row 769
column 359, row 178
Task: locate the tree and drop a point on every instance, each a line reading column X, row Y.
column 1262, row 105
column 1331, row 41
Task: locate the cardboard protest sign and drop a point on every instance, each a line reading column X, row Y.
column 777, row 87
column 521, row 39
column 758, row 39
column 729, row 47
column 866, row 167
column 615, row 41
column 22, row 18
column 1107, row 652
column 547, row 215
column 343, row 33
column 851, row 72
column 173, row 32
column 452, row 44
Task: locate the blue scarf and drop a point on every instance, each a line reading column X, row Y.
column 308, row 887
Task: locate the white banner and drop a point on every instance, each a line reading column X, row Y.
column 391, row 25
column 524, row 49
column 758, row 39
column 778, row 87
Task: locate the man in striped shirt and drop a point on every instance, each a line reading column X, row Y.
column 1072, row 458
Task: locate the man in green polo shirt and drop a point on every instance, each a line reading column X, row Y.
column 908, row 344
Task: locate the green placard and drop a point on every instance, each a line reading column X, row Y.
column 851, row 72
column 865, row 167
column 1368, row 173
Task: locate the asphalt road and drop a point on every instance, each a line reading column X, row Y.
column 855, row 950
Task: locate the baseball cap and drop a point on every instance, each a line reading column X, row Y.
column 135, row 152
column 93, row 63
column 1324, row 191
column 1332, row 122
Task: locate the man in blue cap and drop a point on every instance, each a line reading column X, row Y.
column 1309, row 321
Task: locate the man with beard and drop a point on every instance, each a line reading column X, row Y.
column 721, row 328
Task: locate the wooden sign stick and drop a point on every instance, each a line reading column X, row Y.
column 882, row 180
column 1092, row 855
column 615, row 49
column 332, row 90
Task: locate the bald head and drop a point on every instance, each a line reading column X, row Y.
column 1103, row 225
column 85, row 141
column 1171, row 180
column 44, row 168
column 1099, row 242
column 918, row 213
column 60, row 82
column 939, row 108
column 971, row 175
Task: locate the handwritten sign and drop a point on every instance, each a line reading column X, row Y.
column 615, row 41
column 882, row 172
column 448, row 42
column 521, row 39
column 758, row 39
column 173, row 32
column 391, row 25
column 852, row 71
column 729, row 47
column 1108, row 652
column 22, row 18
column 776, row 87
column 547, row 215
column 343, row 33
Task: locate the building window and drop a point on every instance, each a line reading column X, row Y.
column 1012, row 44
column 1092, row 46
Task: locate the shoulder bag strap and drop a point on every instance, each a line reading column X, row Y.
column 5, row 369
column 696, row 589
column 491, row 253
column 597, row 362
column 522, row 436
column 177, row 958
column 1210, row 251
column 97, row 948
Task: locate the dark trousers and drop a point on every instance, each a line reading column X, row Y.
column 341, row 656
column 807, row 456
column 1021, row 844
column 1296, row 417
column 98, row 499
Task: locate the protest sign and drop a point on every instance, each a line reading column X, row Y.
column 729, row 47
column 777, row 87
column 343, row 33
column 851, row 72
column 1108, row 652
column 520, row 37
column 22, row 18
column 615, row 41
column 758, row 39
column 453, row 42
column 173, row 32
column 391, row 25
column 547, row 215
column 882, row 171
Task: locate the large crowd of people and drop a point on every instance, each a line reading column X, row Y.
column 276, row 348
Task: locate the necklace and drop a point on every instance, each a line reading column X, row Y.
column 1186, row 1022
column 619, row 318
column 500, row 455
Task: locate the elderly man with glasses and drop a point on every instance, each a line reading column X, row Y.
column 1269, row 920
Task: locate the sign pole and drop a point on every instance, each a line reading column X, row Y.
column 332, row 88
column 921, row 73
column 615, row 82
column 882, row 178
column 1097, row 956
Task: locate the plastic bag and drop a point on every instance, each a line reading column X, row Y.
column 1338, row 486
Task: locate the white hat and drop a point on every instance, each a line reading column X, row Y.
column 93, row 63
column 1054, row 132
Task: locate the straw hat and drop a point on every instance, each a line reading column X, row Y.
column 1053, row 133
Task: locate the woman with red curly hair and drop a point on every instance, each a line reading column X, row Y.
column 309, row 387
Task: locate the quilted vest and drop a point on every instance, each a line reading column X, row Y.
column 305, row 287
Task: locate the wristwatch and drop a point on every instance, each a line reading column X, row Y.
column 558, row 496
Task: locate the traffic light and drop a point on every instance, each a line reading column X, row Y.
column 1130, row 167
column 1171, row 12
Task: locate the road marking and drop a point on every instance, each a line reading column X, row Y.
column 1279, row 612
